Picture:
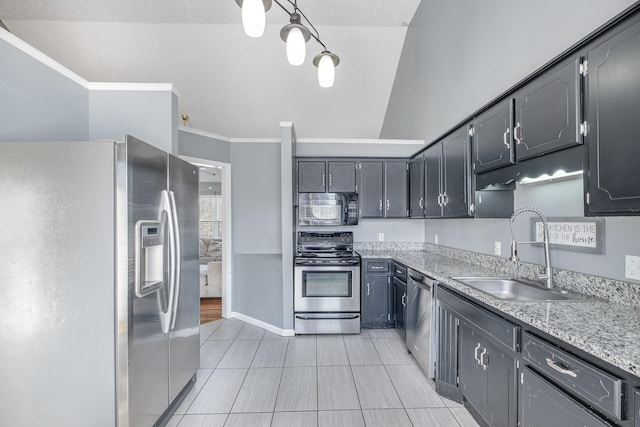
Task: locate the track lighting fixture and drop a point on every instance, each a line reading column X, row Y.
column 294, row 34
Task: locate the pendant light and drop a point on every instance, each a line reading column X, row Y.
column 326, row 63
column 296, row 36
column 253, row 16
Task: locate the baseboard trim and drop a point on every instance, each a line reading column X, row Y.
column 263, row 325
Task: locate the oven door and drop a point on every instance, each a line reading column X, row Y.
column 327, row 289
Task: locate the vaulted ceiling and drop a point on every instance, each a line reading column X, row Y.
column 230, row 84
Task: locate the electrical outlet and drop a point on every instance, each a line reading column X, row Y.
column 497, row 248
column 380, row 237
column 435, row 239
column 632, row 267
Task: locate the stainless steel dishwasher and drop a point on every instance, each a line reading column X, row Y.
column 420, row 326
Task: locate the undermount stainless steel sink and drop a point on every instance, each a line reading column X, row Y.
column 516, row 290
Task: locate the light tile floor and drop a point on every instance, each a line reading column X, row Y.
column 250, row 377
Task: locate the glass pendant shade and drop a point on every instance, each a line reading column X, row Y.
column 296, row 47
column 326, row 71
column 253, row 17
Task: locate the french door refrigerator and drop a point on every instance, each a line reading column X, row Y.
column 99, row 296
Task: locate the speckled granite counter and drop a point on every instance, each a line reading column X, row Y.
column 609, row 331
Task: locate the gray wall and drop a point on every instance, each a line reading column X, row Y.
column 257, row 231
column 38, row 103
column 203, row 147
column 448, row 71
column 148, row 115
column 459, row 55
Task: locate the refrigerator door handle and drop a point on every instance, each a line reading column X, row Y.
column 167, row 207
column 176, row 249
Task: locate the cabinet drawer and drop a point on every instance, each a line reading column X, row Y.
column 589, row 382
column 400, row 271
column 377, row 266
column 502, row 330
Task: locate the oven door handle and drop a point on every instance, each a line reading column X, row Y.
column 327, row 316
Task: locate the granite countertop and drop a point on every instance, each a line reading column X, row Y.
column 609, row 331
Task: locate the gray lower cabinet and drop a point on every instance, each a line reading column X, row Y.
column 448, row 322
column 543, row 404
column 487, row 377
column 371, row 189
column 612, row 102
column 375, row 300
column 396, row 184
column 399, row 306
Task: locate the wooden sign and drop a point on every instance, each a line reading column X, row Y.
column 572, row 233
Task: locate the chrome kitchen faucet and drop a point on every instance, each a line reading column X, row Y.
column 548, row 273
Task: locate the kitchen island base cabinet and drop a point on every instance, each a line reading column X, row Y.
column 487, row 378
column 545, row 405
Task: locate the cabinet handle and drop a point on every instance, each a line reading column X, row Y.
column 505, row 140
column 404, row 299
column 421, row 203
column 387, row 204
column 476, row 353
column 380, row 205
column 516, row 133
column 484, row 352
column 367, row 289
column 322, row 179
column 330, row 180
column 445, row 199
column 553, row 365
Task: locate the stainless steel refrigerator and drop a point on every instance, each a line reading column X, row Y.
column 99, row 296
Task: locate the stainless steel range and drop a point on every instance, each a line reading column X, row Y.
column 327, row 284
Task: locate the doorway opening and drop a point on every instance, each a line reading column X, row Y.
column 214, row 238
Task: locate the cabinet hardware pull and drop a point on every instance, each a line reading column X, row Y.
column 330, row 180
column 322, row 179
column 380, row 204
column 421, row 203
column 387, row 204
column 445, row 199
column 504, row 138
column 404, row 297
column 484, row 352
column 516, row 132
column 476, row 354
column 367, row 289
column 553, row 365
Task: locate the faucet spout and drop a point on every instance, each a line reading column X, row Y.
column 547, row 276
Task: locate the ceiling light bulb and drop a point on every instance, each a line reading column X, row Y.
column 296, row 47
column 326, row 71
column 253, row 17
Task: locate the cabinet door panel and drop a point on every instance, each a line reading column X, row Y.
column 399, row 303
column 396, row 182
column 311, row 177
column 492, row 138
column 547, row 113
column 612, row 105
column 500, row 399
column 545, row 405
column 416, row 184
column 469, row 370
column 371, row 191
column 457, row 183
column 447, row 360
column 342, row 177
column 374, row 299
column 432, row 178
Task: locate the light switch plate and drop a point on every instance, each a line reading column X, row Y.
column 632, row 267
column 497, row 248
column 380, row 237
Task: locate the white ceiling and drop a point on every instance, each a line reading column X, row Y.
column 230, row 84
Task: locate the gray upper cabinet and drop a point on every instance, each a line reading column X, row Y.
column 612, row 102
column 416, row 188
column 492, row 137
column 342, row 176
column 319, row 176
column 312, row 176
column 371, row 189
column 547, row 112
column 395, row 188
column 447, row 176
